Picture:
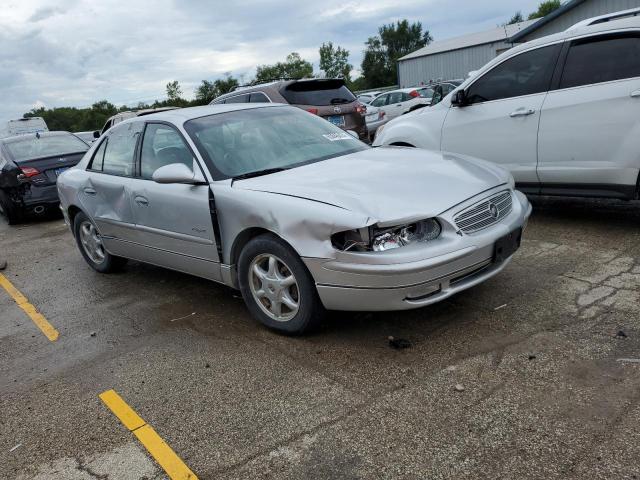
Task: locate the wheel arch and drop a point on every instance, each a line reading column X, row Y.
column 72, row 212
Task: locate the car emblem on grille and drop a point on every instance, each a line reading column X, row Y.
column 493, row 209
column 337, row 110
column 62, row 159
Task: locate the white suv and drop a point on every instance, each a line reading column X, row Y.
column 562, row 113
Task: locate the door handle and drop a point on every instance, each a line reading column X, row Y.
column 89, row 191
column 141, row 201
column 635, row 94
column 522, row 112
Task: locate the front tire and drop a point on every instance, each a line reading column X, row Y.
column 90, row 244
column 277, row 287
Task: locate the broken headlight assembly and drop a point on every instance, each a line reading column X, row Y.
column 382, row 239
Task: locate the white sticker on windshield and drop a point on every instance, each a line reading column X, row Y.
column 332, row 137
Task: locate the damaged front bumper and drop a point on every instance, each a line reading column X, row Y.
column 416, row 275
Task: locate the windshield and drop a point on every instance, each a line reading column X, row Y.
column 245, row 141
column 32, row 147
column 318, row 92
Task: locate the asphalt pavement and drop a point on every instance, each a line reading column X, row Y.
column 530, row 375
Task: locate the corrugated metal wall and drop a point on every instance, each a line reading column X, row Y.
column 458, row 63
column 588, row 9
column 447, row 65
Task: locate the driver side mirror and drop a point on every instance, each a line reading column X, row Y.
column 460, row 99
column 96, row 134
column 178, row 173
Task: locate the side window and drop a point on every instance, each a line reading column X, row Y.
column 238, row 99
column 259, row 97
column 98, row 157
column 395, row 97
column 380, row 101
column 601, row 59
column 120, row 149
column 162, row 145
column 524, row 74
column 438, row 95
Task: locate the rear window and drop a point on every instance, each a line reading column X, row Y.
column 46, row 146
column 319, row 92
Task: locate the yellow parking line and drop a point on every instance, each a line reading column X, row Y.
column 41, row 322
column 167, row 458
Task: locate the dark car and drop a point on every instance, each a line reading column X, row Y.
column 442, row 89
column 328, row 98
column 29, row 167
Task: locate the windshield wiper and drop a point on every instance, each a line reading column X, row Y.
column 257, row 173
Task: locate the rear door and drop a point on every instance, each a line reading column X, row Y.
column 500, row 121
column 173, row 221
column 106, row 192
column 398, row 103
column 590, row 127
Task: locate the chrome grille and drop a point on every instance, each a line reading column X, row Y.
column 480, row 215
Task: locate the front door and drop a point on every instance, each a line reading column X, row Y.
column 590, row 127
column 500, row 121
column 173, row 221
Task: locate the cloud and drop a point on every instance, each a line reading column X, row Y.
column 45, row 13
column 76, row 52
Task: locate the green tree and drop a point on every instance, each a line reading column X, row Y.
column 208, row 90
column 334, row 61
column 517, row 18
column 174, row 92
column 293, row 67
column 375, row 70
column 225, row 85
column 545, row 8
column 383, row 51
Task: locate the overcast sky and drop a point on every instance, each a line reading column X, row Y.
column 75, row 52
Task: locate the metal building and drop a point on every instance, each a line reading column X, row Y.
column 456, row 57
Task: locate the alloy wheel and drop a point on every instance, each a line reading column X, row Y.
column 274, row 287
column 91, row 242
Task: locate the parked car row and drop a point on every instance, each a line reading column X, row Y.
column 302, row 217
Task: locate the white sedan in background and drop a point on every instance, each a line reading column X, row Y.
column 399, row 102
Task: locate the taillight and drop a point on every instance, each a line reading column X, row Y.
column 312, row 110
column 29, row 171
column 361, row 109
column 414, row 94
column 382, row 114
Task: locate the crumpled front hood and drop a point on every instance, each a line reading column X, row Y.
column 386, row 184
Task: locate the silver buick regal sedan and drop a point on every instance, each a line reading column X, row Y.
column 296, row 213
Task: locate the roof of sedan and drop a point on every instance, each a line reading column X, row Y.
column 184, row 114
column 26, row 136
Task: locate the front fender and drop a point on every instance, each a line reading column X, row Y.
column 306, row 225
column 422, row 129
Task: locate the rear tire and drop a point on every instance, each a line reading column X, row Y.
column 10, row 210
column 90, row 244
column 277, row 287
